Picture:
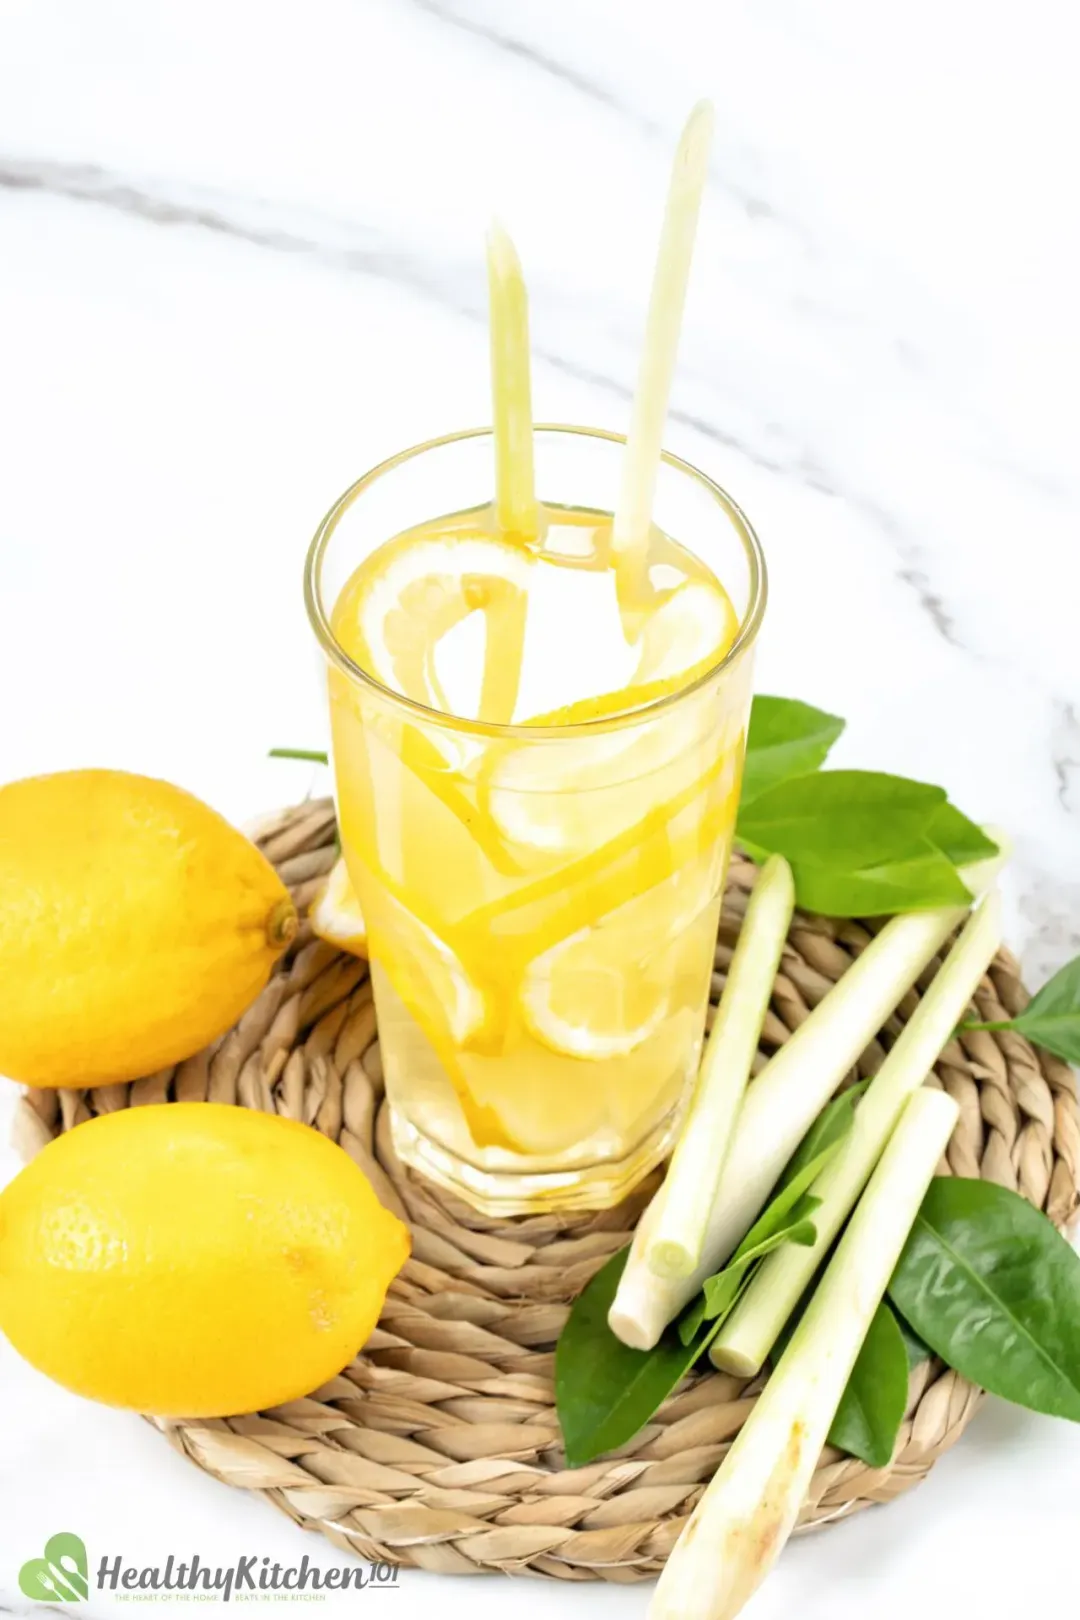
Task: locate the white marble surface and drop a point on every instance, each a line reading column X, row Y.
column 240, row 260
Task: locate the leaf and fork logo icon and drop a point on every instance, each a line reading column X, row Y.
column 59, row 1576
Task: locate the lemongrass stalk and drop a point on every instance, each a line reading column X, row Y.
column 511, row 392
column 681, row 1207
column 782, row 1104
column 644, row 440
column 747, row 1337
column 740, row 1525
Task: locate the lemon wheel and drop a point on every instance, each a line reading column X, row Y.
column 607, row 989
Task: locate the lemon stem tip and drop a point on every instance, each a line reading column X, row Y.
column 282, row 923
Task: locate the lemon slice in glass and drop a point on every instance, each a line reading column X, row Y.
column 688, row 631
column 566, row 795
column 411, row 593
column 580, row 1000
column 427, row 973
column 607, row 988
column 570, row 795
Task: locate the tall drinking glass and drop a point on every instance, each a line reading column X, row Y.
column 541, row 900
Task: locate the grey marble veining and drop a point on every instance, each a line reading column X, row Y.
column 848, row 372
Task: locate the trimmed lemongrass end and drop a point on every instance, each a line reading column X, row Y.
column 644, row 440
column 511, row 388
column 639, row 1312
column 680, row 1211
column 778, row 1110
column 748, row 1336
column 670, row 1258
column 737, row 1531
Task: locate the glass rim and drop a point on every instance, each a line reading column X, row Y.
column 749, row 624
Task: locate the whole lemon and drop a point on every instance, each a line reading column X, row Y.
column 136, row 925
column 193, row 1259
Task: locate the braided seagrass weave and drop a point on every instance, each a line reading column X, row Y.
column 439, row 1446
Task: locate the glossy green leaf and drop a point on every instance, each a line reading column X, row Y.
column 959, row 839
column 721, row 1291
column 785, row 738
column 789, row 1200
column 988, row 1283
column 871, row 1409
column 921, row 880
column 851, row 818
column 1052, row 1017
column 917, row 1352
column 604, row 1391
column 788, row 1211
column 729, row 1287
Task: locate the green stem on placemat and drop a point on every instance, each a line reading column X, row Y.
column 313, row 755
column 1051, row 1018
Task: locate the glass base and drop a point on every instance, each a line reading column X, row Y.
column 592, row 1187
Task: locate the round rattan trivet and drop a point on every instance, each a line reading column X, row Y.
column 439, row 1447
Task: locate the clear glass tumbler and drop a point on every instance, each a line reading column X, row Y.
column 541, row 996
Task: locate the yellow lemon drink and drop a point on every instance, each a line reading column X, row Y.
column 536, row 812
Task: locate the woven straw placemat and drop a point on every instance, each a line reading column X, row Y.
column 439, row 1446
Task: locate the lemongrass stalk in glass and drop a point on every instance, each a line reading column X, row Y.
column 511, row 387
column 656, row 370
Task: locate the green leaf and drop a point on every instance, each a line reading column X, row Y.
column 722, row 1290
column 1052, row 1017
column 827, row 1134
column 871, row 1408
column 790, row 1206
column 604, row 1391
column 785, row 738
column 726, row 1296
column 847, row 818
column 988, row 1283
column 313, row 755
column 959, row 839
column 789, row 1203
column 917, row 1352
column 861, row 843
column 916, row 883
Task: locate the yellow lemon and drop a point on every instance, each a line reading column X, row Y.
column 136, row 925
column 192, row 1259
